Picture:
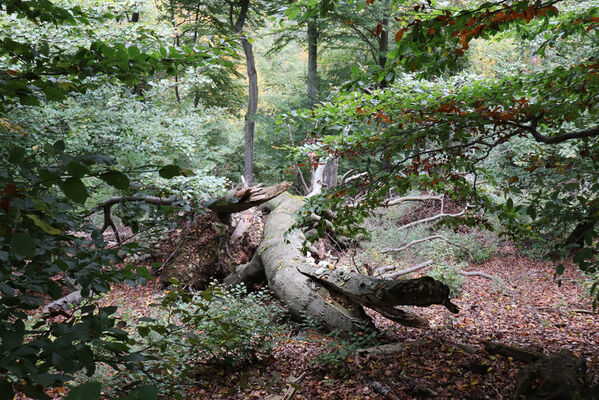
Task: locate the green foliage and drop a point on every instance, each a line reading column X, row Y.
column 447, row 273
column 45, row 240
column 228, row 328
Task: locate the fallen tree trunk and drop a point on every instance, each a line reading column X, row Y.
column 331, row 298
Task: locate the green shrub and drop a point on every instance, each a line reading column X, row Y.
column 226, row 328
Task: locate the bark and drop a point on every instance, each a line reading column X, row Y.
column 302, row 295
column 332, row 298
column 331, row 172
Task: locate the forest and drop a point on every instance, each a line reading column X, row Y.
column 299, row 199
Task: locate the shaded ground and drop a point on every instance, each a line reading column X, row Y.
column 528, row 310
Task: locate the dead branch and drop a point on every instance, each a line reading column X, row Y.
column 293, row 388
column 107, row 206
column 400, row 200
column 385, row 268
column 479, row 274
column 347, row 179
column 413, row 242
column 64, row 304
column 237, row 200
column 408, row 270
column 346, row 174
column 435, row 217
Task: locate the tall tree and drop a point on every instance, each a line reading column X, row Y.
column 250, row 65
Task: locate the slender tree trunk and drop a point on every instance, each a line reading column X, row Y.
column 384, row 44
column 312, row 62
column 248, row 166
column 250, row 63
column 329, row 178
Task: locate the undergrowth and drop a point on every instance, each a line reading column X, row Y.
column 457, row 248
column 214, row 328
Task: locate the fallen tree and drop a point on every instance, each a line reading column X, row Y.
column 333, row 298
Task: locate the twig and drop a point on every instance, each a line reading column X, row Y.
column 583, row 311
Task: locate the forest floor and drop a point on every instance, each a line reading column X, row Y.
column 445, row 361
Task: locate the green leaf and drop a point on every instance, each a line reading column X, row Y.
column 87, row 391
column 49, row 229
column 23, row 245
column 143, row 331
column 116, row 179
column 16, row 155
column 170, row 171
column 74, row 189
column 59, row 147
column 509, row 204
column 77, row 169
column 48, row 177
column 63, row 363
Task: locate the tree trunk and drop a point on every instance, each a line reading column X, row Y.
column 331, row 298
column 331, row 172
column 384, row 46
column 250, row 65
column 248, row 166
column 312, row 62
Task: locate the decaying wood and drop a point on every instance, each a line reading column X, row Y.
column 63, row 305
column 332, row 298
column 517, row 353
column 391, row 348
column 237, row 200
column 373, row 292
